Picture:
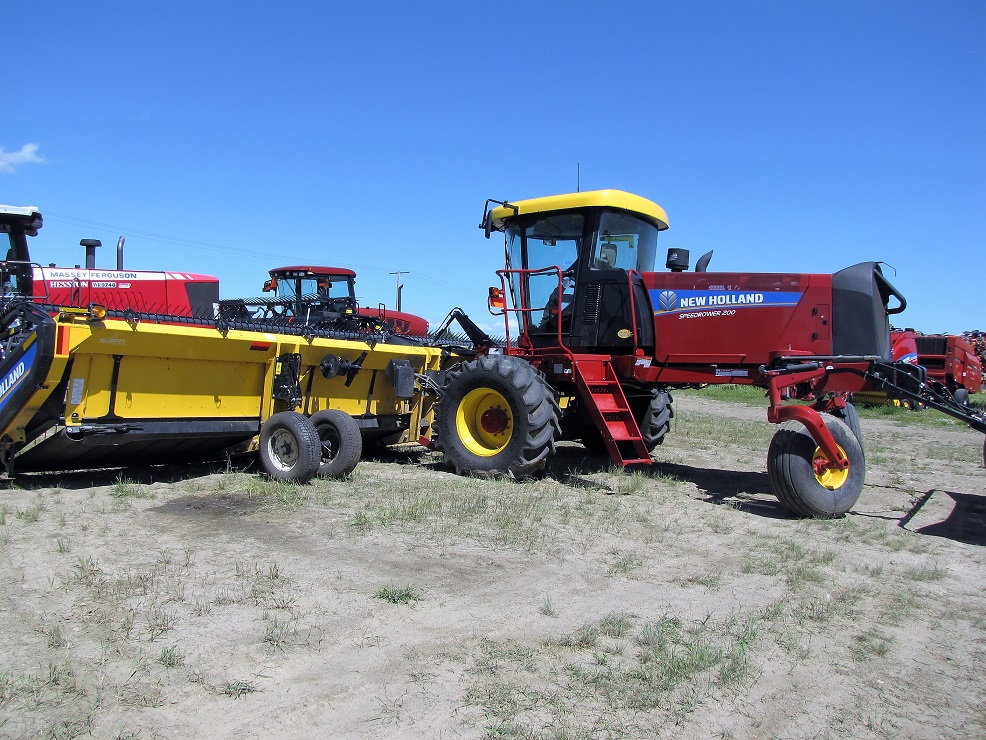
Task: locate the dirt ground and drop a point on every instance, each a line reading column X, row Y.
column 206, row 601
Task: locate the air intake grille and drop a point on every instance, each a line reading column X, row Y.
column 593, row 299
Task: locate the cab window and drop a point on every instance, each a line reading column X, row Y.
column 624, row 242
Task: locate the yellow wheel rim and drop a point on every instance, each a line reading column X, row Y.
column 829, row 477
column 483, row 422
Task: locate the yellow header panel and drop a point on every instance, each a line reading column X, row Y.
column 594, row 198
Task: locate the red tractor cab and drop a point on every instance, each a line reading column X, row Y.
column 297, row 289
column 322, row 296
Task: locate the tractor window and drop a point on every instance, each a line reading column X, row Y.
column 624, row 242
column 552, row 241
column 285, row 289
column 313, row 287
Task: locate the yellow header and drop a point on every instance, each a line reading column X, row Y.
column 594, row 198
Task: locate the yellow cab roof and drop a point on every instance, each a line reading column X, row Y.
column 593, row 198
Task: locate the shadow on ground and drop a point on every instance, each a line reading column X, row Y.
column 743, row 490
column 966, row 522
column 142, row 474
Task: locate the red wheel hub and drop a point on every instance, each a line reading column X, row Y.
column 494, row 421
column 822, row 463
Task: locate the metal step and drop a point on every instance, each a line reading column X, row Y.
column 600, row 390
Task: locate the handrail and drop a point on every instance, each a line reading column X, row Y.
column 523, row 314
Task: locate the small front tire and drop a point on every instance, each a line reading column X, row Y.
column 850, row 416
column 795, row 466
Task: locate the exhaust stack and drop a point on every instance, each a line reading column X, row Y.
column 119, row 253
column 90, row 245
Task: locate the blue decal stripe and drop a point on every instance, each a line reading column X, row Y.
column 17, row 374
column 679, row 301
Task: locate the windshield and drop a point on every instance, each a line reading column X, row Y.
column 321, row 286
column 624, row 242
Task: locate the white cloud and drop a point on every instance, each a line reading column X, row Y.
column 9, row 161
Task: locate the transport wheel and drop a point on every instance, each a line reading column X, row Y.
column 851, row 417
column 799, row 479
column 656, row 420
column 497, row 414
column 341, row 442
column 961, row 396
column 289, row 447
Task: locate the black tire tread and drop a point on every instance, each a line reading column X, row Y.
column 850, row 415
column 789, row 468
column 309, row 446
column 656, row 420
column 537, row 413
column 346, row 458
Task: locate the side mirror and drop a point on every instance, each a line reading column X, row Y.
column 270, row 285
column 488, row 223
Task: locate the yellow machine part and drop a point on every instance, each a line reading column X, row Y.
column 592, row 198
column 153, row 371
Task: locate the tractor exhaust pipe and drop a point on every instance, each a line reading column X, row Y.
column 119, row 253
column 90, row 245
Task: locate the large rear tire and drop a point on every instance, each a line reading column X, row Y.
column 656, row 420
column 653, row 414
column 807, row 489
column 289, row 447
column 497, row 414
column 340, row 441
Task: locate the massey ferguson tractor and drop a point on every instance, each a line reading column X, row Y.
column 602, row 340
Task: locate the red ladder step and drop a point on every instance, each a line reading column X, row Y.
column 600, row 390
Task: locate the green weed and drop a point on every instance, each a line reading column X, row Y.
column 929, row 572
column 31, row 514
column 126, row 488
column 399, row 594
column 870, row 643
column 171, row 657
column 237, row 688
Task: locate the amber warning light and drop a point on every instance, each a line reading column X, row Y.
column 496, row 300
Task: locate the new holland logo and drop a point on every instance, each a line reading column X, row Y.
column 667, row 300
column 12, row 379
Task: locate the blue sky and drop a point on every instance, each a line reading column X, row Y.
column 231, row 137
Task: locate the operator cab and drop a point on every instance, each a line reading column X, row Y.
column 298, row 288
column 574, row 264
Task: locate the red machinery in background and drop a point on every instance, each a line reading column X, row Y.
column 949, row 359
column 324, row 296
